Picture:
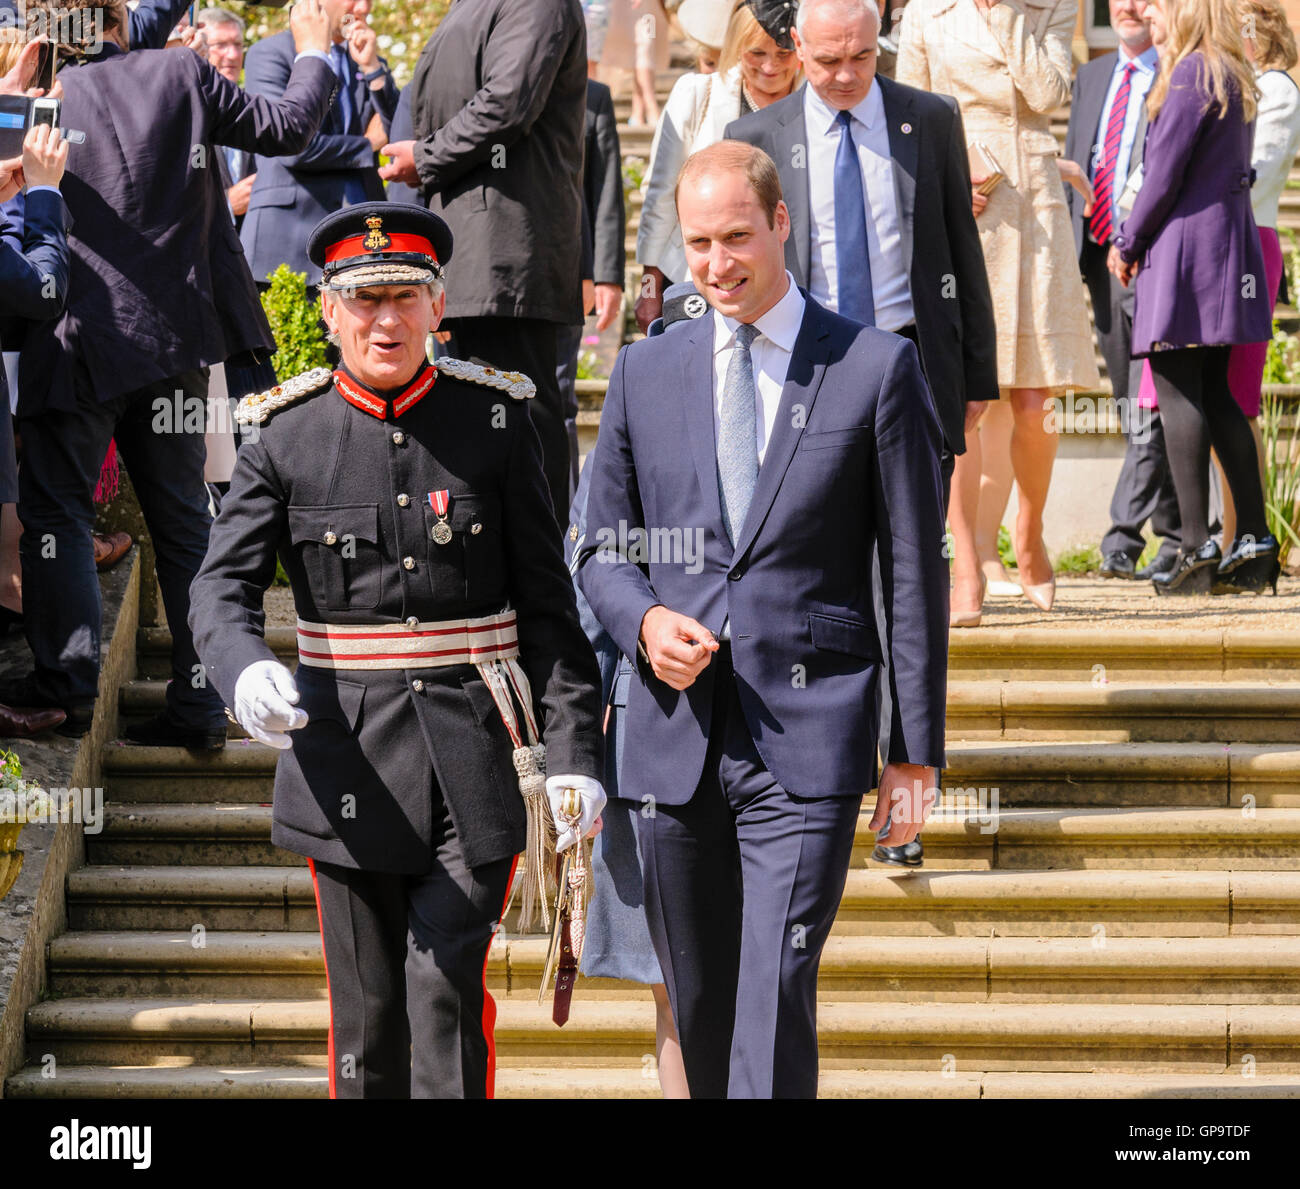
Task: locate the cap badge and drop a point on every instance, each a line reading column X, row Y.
column 694, row 306
column 376, row 240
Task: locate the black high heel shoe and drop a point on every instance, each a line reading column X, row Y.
column 1250, row 577
column 1246, row 550
column 1192, row 574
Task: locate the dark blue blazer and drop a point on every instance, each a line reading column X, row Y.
column 158, row 284
column 152, row 21
column 294, row 193
column 33, row 268
column 853, row 460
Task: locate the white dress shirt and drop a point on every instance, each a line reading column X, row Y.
column 1277, row 138
column 1143, row 77
column 770, row 352
column 893, row 297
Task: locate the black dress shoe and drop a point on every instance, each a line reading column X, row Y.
column 912, row 854
column 1162, row 563
column 1193, row 572
column 1117, row 565
column 22, row 691
column 164, row 731
column 1248, row 549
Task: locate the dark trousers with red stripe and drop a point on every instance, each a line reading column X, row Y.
column 405, row 961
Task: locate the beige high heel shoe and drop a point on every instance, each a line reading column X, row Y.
column 1041, row 594
column 998, row 584
column 968, row 619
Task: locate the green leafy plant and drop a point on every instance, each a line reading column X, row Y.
column 295, row 323
column 1282, row 364
column 1005, row 549
column 1278, row 429
column 1078, row 559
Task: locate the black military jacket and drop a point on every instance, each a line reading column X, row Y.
column 341, row 494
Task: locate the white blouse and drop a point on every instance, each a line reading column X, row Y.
column 697, row 113
column 1277, row 139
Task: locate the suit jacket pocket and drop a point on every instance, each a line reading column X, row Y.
column 831, row 633
column 833, row 439
column 339, row 546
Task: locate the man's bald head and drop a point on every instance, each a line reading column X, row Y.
column 735, row 156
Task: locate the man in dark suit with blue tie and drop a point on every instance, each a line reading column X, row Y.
column 745, row 470
column 158, row 291
column 338, row 168
column 1105, row 137
column 224, row 33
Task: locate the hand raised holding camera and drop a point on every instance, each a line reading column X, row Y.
column 45, row 156
column 310, row 24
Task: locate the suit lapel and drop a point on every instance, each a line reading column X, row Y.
column 904, row 148
column 807, row 367
column 697, row 395
column 1139, row 140
column 792, row 145
column 1091, row 100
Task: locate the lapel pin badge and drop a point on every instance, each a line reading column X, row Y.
column 906, row 128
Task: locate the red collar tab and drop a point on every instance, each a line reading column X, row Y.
column 356, row 393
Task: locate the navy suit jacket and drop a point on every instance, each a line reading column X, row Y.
column 33, row 268
column 853, row 460
column 946, row 275
column 158, row 284
column 294, row 193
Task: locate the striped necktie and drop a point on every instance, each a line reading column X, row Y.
column 738, row 434
column 1102, row 222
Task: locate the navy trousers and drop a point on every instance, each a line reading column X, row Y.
column 159, row 433
column 742, row 885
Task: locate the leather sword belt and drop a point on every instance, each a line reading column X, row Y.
column 491, row 644
column 422, row 645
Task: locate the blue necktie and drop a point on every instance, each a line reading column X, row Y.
column 738, row 434
column 343, row 68
column 234, row 159
column 855, row 296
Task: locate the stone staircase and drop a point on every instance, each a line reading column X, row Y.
column 1110, row 906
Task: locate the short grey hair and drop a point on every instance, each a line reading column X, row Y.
column 844, row 6
column 220, row 16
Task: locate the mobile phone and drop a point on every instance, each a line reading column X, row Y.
column 45, row 111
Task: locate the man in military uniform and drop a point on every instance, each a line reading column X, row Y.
column 438, row 638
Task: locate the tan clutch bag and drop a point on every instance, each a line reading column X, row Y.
column 983, row 163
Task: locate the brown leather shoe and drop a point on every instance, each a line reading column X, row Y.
column 24, row 722
column 111, row 549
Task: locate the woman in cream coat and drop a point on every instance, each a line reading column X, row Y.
column 1007, row 62
column 753, row 72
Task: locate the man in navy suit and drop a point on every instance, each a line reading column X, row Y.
column 224, row 32
column 292, row 194
column 746, row 467
column 158, row 291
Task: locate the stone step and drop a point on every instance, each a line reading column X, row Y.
column 877, row 902
column 545, row 1081
column 1203, row 1039
column 1037, row 773
column 1088, row 654
column 1099, row 968
column 1217, row 712
column 1024, row 839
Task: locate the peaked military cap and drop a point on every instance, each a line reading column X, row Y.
column 379, row 243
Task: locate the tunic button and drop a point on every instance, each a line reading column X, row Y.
column 412, row 622
column 403, row 500
column 417, row 685
column 398, row 437
column 408, row 563
column 476, row 527
column 330, row 538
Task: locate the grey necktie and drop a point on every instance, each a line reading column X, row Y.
column 738, row 434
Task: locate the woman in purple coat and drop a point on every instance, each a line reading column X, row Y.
column 1192, row 244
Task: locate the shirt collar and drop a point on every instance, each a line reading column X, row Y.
column 780, row 325
column 868, row 112
column 1146, row 61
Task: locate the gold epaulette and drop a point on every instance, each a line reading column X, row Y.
column 516, row 384
column 256, row 407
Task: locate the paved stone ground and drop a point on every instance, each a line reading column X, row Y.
column 1080, row 603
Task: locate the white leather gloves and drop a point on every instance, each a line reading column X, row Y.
column 593, row 801
column 265, row 694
